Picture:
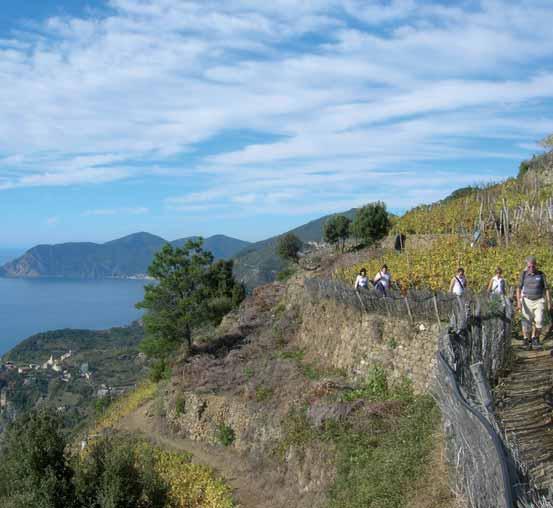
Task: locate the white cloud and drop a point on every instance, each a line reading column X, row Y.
column 349, row 91
column 115, row 211
column 52, row 221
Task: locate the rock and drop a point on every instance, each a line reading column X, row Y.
column 323, row 411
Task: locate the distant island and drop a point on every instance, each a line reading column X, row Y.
column 127, row 257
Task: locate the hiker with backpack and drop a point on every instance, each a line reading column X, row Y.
column 382, row 281
column 497, row 284
column 458, row 283
column 532, row 297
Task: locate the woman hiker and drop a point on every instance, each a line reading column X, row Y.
column 458, row 283
column 497, row 284
column 362, row 281
column 382, row 281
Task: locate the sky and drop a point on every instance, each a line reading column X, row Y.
column 248, row 117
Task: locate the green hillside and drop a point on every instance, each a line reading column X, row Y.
column 258, row 264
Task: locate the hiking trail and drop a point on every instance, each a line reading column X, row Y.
column 248, row 491
column 522, row 412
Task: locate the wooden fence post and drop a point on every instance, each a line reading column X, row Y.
column 435, row 300
column 408, row 309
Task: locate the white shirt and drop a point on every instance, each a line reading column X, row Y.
column 459, row 285
column 362, row 281
column 384, row 279
column 498, row 285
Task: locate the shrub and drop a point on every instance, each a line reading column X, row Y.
column 180, row 405
column 159, row 371
column 288, row 247
column 225, row 434
column 285, row 274
column 371, row 223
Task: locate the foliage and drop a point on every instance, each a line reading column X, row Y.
column 378, row 465
column 286, row 273
column 34, row 471
column 460, row 213
column 225, row 434
column 337, row 230
column 191, row 290
column 378, row 456
column 288, row 247
column 191, row 485
column 371, row 223
column 115, row 473
column 434, row 266
column 159, row 371
column 180, row 406
column 547, row 142
column 377, row 388
column 125, row 405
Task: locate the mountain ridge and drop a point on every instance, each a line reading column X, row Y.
column 127, row 256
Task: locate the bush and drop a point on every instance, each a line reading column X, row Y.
column 225, row 434
column 285, row 274
column 288, row 247
column 159, row 371
column 371, row 223
column 34, row 470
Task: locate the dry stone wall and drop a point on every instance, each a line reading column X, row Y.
column 341, row 337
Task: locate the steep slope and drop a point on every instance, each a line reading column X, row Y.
column 259, row 263
column 127, row 256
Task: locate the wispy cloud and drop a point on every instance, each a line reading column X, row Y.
column 115, row 211
column 352, row 100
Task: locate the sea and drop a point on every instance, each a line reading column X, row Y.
column 29, row 306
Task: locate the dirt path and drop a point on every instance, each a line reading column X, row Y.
column 249, row 491
column 523, row 412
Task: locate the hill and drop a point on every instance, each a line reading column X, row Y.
column 258, row 264
column 124, row 257
column 110, row 357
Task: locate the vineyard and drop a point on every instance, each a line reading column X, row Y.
column 500, row 212
column 190, row 485
column 433, row 267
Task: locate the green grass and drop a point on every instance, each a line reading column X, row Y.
column 378, row 457
column 376, row 469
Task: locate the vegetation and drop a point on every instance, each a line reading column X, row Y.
column 379, row 453
column 371, row 223
column 112, row 359
column 288, row 247
column 225, row 434
column 191, row 290
column 433, row 267
column 36, row 471
column 337, row 230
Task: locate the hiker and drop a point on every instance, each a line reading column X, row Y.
column 382, row 281
column 497, row 284
column 458, row 283
column 532, row 296
column 362, row 281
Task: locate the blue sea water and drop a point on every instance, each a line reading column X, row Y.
column 29, row 306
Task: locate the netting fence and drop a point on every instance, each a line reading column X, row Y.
column 474, row 351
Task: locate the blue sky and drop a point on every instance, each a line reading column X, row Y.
column 248, row 117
